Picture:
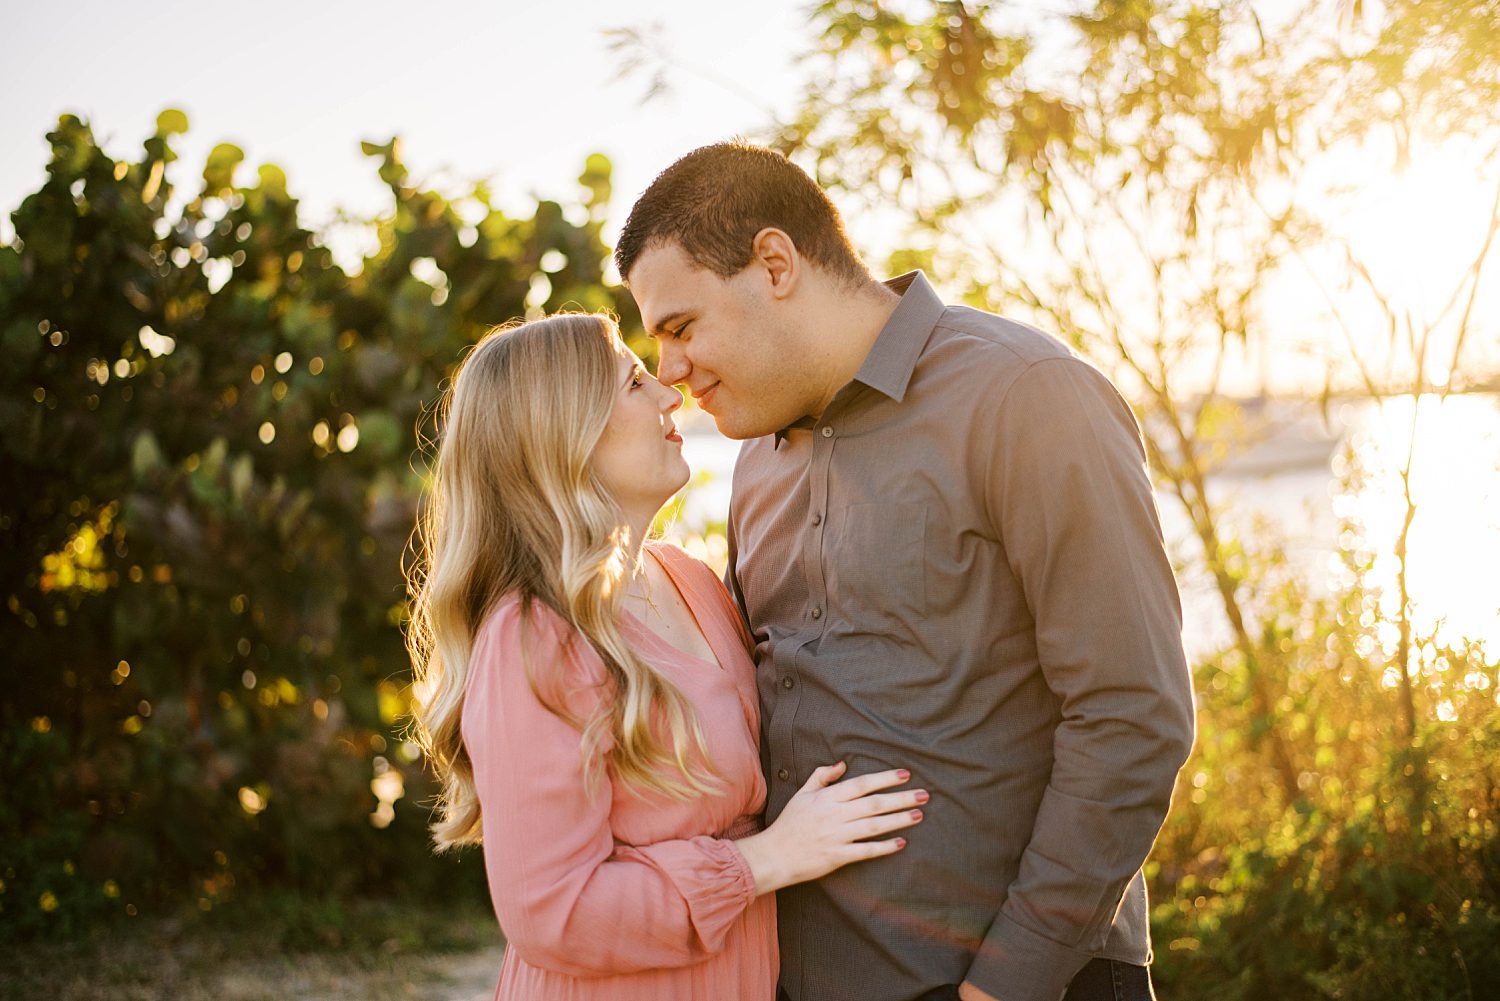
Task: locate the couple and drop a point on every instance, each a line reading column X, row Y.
column 921, row 743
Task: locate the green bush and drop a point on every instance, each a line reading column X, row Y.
column 1380, row 877
column 212, row 469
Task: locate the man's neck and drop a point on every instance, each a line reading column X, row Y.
column 861, row 319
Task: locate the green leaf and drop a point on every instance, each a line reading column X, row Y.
column 171, row 122
column 218, row 172
column 213, row 459
column 241, row 476
column 272, row 178
column 145, row 455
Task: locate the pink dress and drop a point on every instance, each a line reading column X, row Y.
column 625, row 896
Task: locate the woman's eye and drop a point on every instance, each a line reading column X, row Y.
column 635, row 381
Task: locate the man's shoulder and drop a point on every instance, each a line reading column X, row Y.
column 989, row 339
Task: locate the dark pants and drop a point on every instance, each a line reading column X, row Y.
column 1099, row 980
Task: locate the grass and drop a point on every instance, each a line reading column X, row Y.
column 280, row 949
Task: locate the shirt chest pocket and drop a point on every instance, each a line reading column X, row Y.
column 878, row 570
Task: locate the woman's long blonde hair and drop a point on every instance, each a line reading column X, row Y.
column 516, row 509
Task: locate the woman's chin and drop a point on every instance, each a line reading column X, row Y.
column 686, row 477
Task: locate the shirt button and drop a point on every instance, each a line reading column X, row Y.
column 817, row 519
column 787, row 682
column 827, row 431
column 817, row 613
column 783, row 774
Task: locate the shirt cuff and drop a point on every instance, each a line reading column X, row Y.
column 1016, row 964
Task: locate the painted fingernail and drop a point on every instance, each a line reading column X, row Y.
column 903, row 774
column 900, row 843
column 922, row 796
column 916, row 815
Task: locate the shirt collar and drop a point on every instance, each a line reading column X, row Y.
column 887, row 368
column 893, row 356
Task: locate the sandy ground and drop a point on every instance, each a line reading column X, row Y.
column 451, row 954
column 454, row 977
column 467, row 976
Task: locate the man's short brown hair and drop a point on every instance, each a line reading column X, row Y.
column 715, row 199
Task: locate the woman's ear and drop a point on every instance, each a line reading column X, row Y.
column 775, row 252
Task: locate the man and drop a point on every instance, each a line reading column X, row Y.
column 943, row 537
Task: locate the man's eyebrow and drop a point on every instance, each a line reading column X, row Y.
column 660, row 327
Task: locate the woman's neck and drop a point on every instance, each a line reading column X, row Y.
column 638, row 525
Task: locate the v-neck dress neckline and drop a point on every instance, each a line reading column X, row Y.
column 652, row 635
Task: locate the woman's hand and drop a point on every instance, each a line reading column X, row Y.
column 827, row 823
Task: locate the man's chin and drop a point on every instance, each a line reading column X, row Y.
column 740, row 429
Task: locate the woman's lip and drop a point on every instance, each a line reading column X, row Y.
column 674, row 436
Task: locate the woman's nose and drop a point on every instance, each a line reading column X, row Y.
column 674, row 398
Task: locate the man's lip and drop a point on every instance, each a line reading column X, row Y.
column 705, row 394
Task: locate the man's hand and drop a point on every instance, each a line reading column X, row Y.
column 968, row 992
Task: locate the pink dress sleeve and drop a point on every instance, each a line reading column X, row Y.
column 568, row 898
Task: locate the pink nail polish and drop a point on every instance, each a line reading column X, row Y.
column 900, row 842
column 903, row 774
column 923, row 796
column 916, row 815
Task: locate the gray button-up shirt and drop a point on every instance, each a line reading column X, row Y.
column 958, row 569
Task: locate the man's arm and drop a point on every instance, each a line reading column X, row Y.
column 1071, row 498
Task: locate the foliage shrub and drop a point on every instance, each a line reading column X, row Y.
column 209, row 433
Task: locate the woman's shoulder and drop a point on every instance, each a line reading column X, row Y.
column 510, row 614
column 514, row 627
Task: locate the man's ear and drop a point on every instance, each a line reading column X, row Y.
column 775, row 252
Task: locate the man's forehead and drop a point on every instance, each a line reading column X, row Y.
column 667, row 284
column 664, row 266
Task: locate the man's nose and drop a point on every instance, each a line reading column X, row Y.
column 672, row 366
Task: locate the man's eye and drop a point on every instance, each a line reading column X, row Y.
column 679, row 331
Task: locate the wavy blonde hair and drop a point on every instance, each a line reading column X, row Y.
column 515, row 508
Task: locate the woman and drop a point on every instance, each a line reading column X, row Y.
column 589, row 703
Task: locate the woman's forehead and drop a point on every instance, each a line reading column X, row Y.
column 626, row 357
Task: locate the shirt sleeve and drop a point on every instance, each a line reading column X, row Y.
column 568, row 897
column 1071, row 497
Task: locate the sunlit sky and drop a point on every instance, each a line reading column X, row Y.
column 519, row 92
column 509, row 90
